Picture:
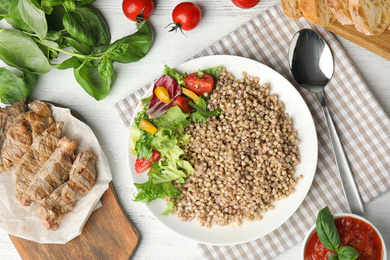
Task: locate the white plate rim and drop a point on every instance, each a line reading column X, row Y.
column 227, row 61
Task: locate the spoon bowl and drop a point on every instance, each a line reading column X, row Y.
column 312, row 66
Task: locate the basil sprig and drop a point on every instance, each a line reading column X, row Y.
column 330, row 238
column 43, row 29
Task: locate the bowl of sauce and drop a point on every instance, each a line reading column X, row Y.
column 354, row 231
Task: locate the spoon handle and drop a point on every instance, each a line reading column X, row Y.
column 352, row 194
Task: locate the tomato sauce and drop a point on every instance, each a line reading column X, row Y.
column 353, row 232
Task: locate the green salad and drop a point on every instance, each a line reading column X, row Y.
column 160, row 132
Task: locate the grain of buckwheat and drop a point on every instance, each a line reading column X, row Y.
column 243, row 159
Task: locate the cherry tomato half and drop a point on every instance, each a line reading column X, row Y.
column 245, row 4
column 199, row 85
column 183, row 103
column 186, row 16
column 132, row 8
column 143, row 164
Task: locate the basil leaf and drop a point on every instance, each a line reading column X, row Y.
column 139, row 44
column 76, row 26
column 77, row 46
column 90, row 80
column 347, row 253
column 333, row 257
column 33, row 16
column 95, row 24
column 105, row 68
column 47, row 5
column 119, row 50
column 67, row 64
column 5, row 7
column 69, row 5
column 13, row 17
column 84, row 2
column 14, row 88
column 326, row 230
column 20, row 51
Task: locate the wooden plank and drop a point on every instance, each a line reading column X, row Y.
column 379, row 44
column 108, row 234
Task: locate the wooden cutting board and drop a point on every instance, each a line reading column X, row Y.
column 379, row 44
column 108, row 234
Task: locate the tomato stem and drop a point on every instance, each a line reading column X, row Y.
column 174, row 27
column 140, row 18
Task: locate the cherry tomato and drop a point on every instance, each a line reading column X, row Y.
column 143, row 164
column 245, row 3
column 132, row 8
column 186, row 16
column 199, row 85
column 183, row 103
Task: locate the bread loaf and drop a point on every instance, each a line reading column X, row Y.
column 371, row 17
column 340, row 10
column 316, row 12
column 291, row 9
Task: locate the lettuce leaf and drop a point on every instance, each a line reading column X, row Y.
column 135, row 135
column 169, row 209
column 172, row 168
column 174, row 74
column 173, row 119
column 150, row 191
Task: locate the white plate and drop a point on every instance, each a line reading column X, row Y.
column 302, row 121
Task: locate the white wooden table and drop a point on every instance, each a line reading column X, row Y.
column 220, row 17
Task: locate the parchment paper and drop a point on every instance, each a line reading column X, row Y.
column 23, row 222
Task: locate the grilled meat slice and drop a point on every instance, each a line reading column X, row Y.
column 7, row 116
column 42, row 148
column 24, row 129
column 54, row 172
column 40, row 118
column 63, row 199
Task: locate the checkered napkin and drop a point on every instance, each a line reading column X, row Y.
column 363, row 127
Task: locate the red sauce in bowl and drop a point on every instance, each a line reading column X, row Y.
column 353, row 232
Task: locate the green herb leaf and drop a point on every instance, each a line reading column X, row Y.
column 33, row 16
column 20, row 51
column 47, row 5
column 90, row 80
column 347, row 253
column 139, row 44
column 13, row 17
column 14, row 88
column 75, row 24
column 69, row 5
column 326, row 230
column 77, row 46
column 67, row 64
column 105, row 68
column 333, row 257
column 95, row 24
column 202, row 113
column 214, row 72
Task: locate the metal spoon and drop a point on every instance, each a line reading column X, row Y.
column 311, row 65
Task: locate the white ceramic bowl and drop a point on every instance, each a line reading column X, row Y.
column 338, row 215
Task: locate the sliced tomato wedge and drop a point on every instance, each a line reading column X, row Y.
column 143, row 164
column 199, row 85
column 183, row 103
